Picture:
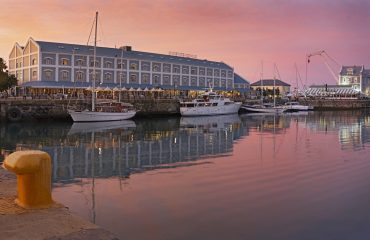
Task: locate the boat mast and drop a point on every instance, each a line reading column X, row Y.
column 274, row 86
column 94, row 71
column 120, row 77
column 261, row 76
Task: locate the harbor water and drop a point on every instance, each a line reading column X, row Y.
column 252, row 176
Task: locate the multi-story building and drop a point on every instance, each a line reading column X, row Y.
column 355, row 76
column 55, row 65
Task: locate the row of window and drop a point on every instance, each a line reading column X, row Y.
column 147, row 66
column 145, row 78
column 19, row 64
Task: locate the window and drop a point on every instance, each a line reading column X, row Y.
column 96, row 64
column 156, row 79
column 133, row 78
column 79, row 75
column 48, row 61
column 108, row 64
column 48, row 74
column 108, row 76
column 166, row 68
column 133, row 66
column 33, row 61
column 122, row 76
column 65, row 61
column 350, row 71
column 34, row 74
column 194, row 71
column 176, row 69
column 156, row 68
column 65, row 75
column 80, row 62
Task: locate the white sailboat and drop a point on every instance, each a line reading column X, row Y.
column 107, row 111
column 264, row 107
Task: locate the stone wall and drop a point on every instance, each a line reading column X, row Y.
column 18, row 110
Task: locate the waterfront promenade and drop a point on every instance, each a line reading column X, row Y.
column 51, row 224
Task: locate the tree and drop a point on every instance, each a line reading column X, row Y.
column 6, row 81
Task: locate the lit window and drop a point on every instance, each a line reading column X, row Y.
column 65, row 61
column 33, row 61
column 34, row 74
column 133, row 66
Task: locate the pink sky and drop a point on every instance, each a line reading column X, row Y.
column 240, row 33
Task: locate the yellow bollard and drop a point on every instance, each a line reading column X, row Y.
column 33, row 169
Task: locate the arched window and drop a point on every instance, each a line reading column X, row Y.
column 48, row 60
column 79, row 75
column 80, row 62
column 65, row 75
column 108, row 64
column 133, row 66
column 108, row 76
column 64, row 61
column 33, row 62
column 48, row 74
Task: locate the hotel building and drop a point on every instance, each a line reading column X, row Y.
column 356, row 77
column 51, row 65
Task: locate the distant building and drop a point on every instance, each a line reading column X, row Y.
column 52, row 65
column 281, row 87
column 356, row 77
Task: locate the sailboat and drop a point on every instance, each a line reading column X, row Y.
column 104, row 111
column 263, row 107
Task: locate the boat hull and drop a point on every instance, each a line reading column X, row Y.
column 264, row 110
column 210, row 110
column 90, row 116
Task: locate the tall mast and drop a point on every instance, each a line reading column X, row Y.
column 94, row 72
column 261, row 76
column 120, row 77
column 274, row 86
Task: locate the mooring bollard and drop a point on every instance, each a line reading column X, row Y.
column 33, row 170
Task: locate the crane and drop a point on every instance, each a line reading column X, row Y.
column 325, row 56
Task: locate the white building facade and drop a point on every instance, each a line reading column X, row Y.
column 52, row 65
column 357, row 77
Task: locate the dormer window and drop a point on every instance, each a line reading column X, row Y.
column 349, row 71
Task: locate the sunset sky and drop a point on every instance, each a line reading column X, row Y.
column 241, row 33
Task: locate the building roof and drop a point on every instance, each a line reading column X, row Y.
column 238, row 79
column 116, row 52
column 270, row 82
column 53, row 84
column 356, row 70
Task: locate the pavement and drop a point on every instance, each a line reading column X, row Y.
column 55, row 223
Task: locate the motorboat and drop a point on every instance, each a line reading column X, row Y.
column 209, row 103
column 296, row 106
column 263, row 108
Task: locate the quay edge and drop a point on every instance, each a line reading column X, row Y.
column 336, row 104
column 19, row 109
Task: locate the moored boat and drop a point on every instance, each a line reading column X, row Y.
column 296, row 106
column 263, row 108
column 210, row 103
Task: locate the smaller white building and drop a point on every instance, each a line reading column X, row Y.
column 357, row 77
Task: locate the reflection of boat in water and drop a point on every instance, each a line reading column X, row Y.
column 88, row 127
column 215, row 122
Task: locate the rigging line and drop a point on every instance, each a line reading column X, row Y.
column 92, row 27
column 300, row 78
column 277, row 71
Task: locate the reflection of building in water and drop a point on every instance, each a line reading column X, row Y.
column 353, row 127
column 112, row 153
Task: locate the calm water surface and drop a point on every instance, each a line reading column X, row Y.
column 230, row 177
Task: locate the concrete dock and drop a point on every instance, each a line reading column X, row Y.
column 55, row 223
